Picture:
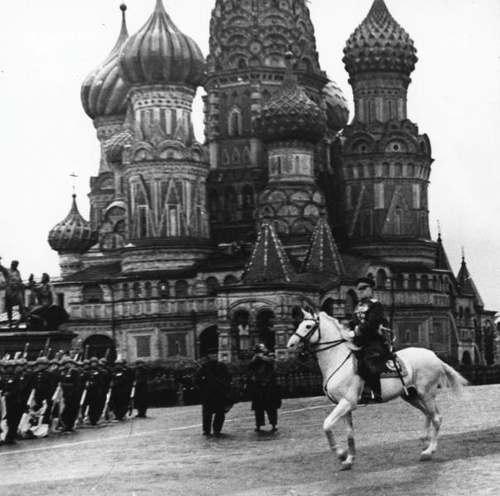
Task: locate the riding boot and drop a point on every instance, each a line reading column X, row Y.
column 376, row 388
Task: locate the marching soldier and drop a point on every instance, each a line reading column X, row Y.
column 120, row 389
column 141, row 388
column 96, row 391
column 45, row 387
column 71, row 388
column 11, row 387
column 374, row 352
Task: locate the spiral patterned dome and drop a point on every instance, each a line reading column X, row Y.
column 379, row 44
column 337, row 108
column 159, row 53
column 291, row 114
column 104, row 92
column 72, row 235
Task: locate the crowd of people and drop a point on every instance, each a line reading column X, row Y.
column 43, row 397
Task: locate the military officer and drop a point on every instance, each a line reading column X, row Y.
column 367, row 319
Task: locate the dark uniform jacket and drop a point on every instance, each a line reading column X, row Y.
column 213, row 380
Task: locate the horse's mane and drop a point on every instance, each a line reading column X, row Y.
column 345, row 333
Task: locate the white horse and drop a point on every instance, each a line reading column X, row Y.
column 333, row 347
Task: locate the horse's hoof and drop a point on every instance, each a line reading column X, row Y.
column 425, row 457
column 342, row 455
column 345, row 466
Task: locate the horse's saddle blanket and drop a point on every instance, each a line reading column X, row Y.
column 393, row 366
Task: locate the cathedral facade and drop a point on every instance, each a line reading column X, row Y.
column 286, row 203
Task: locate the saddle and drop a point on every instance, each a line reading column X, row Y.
column 392, row 366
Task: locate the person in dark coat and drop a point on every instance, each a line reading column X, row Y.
column 121, row 387
column 45, row 386
column 264, row 389
column 374, row 353
column 71, row 388
column 12, row 392
column 141, row 388
column 96, row 392
column 213, row 380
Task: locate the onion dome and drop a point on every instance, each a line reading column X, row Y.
column 379, row 44
column 104, row 92
column 72, row 235
column 291, row 114
column 159, row 53
column 337, row 108
column 113, row 148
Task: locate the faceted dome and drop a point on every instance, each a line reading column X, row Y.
column 379, row 44
column 291, row 114
column 337, row 108
column 72, row 235
column 160, row 53
column 104, row 92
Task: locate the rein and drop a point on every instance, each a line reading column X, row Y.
column 319, row 347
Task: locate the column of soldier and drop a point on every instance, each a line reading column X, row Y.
column 43, row 397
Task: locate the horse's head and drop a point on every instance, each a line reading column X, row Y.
column 306, row 334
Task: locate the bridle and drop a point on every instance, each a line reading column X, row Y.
column 318, row 347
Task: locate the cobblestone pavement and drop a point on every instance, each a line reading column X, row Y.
column 166, row 454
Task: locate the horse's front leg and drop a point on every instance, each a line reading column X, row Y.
column 346, row 457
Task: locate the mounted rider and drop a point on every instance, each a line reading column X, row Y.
column 368, row 317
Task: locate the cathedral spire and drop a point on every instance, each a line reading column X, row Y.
column 269, row 261
column 323, row 255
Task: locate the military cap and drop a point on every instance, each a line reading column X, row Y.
column 120, row 361
column 54, row 361
column 94, row 359
column 66, row 359
column 365, row 280
column 42, row 360
column 103, row 361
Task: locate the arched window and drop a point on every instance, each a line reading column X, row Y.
column 125, row 291
column 163, row 289
column 230, row 279
column 400, row 281
column 424, row 282
column 212, row 285
column 381, row 278
column 351, row 301
column 148, row 290
column 181, row 289
column 412, row 281
column 248, row 202
column 92, row 293
column 136, row 290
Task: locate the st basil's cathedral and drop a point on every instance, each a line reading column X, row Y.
column 286, row 203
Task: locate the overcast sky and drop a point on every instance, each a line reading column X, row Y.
column 49, row 47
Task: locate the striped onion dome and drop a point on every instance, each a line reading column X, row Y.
column 291, row 114
column 104, row 92
column 73, row 234
column 379, row 44
column 159, row 53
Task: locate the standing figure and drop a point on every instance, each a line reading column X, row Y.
column 13, row 400
column 213, row 380
column 263, row 387
column 14, row 290
column 374, row 352
column 141, row 388
column 121, row 387
column 71, row 388
column 45, row 386
column 96, row 392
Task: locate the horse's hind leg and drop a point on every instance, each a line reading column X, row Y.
column 432, row 423
column 342, row 409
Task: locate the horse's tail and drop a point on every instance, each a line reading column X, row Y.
column 453, row 379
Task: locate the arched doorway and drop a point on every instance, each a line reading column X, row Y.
column 100, row 346
column 209, row 338
column 265, row 328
